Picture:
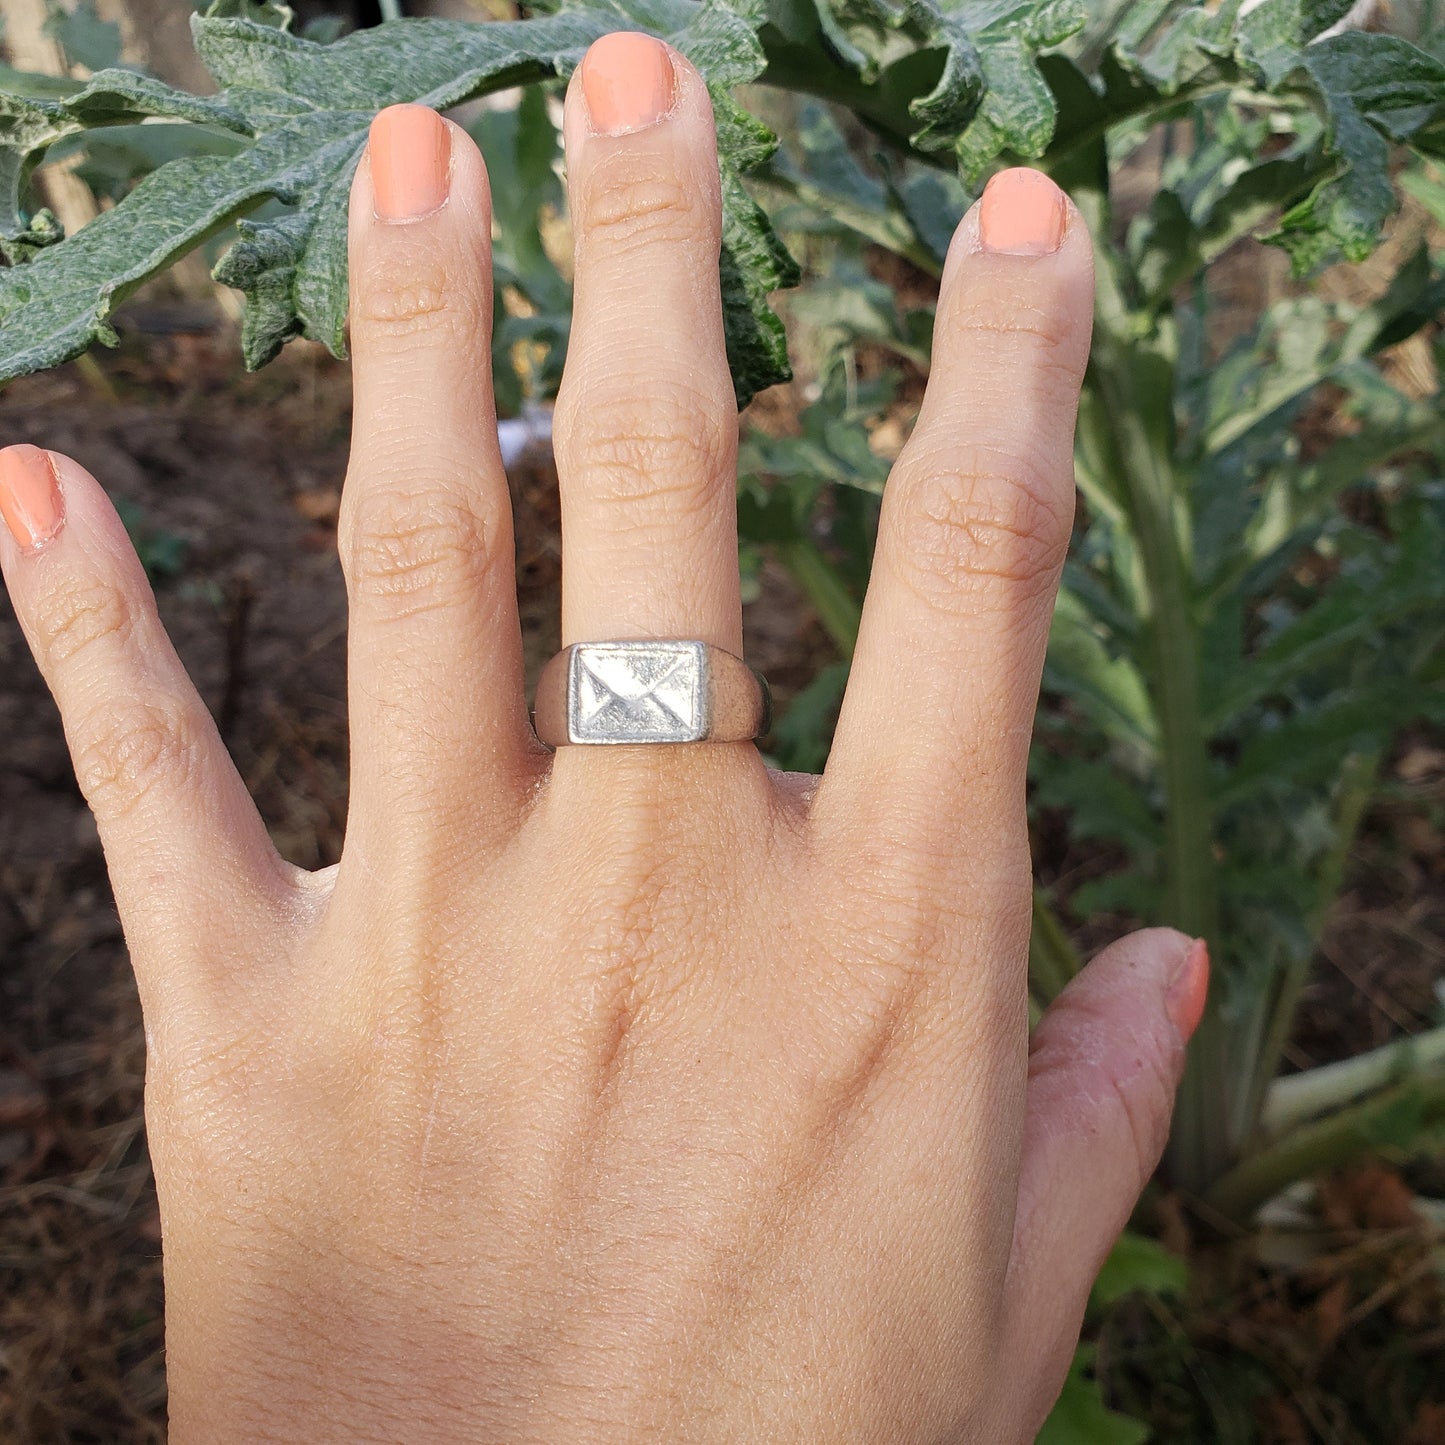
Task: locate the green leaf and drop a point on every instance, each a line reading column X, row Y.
column 1296, row 345
column 523, row 152
column 993, row 47
column 1307, row 748
column 1108, row 687
column 30, row 124
column 1139, row 1265
column 912, row 212
column 802, row 737
column 1353, row 613
column 1369, row 89
column 1374, row 89
column 29, row 83
column 118, row 156
column 832, row 447
column 1080, row 1417
column 753, row 261
column 303, row 111
column 260, row 12
column 85, row 38
column 324, row 29
column 1171, row 45
column 1274, row 33
column 1428, row 188
column 850, row 306
column 1133, row 894
column 1103, row 801
column 1215, row 193
column 989, row 96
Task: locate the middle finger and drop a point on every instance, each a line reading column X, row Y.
column 646, row 417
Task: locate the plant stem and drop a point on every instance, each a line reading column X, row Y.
column 95, row 378
column 1319, row 1147
column 1053, row 960
column 390, row 10
column 1357, row 785
column 835, row 605
column 1299, row 1098
column 1146, row 472
column 1133, row 381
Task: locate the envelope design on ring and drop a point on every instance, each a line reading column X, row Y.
column 632, row 693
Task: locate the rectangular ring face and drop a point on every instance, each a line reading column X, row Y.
column 637, row 692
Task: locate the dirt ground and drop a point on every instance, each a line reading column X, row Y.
column 234, row 482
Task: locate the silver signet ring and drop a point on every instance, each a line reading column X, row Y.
column 650, row 692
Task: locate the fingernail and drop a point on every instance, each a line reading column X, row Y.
column 411, row 156
column 1190, row 988
column 628, row 82
column 1022, row 213
column 30, row 498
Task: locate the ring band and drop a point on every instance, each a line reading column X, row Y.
column 650, row 692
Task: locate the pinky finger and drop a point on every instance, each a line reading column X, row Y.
column 182, row 837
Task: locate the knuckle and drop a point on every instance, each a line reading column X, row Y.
column 895, row 929
column 635, row 206
column 125, row 751
column 977, row 519
column 670, row 453
column 1044, row 334
column 68, row 617
column 405, row 302
column 414, row 551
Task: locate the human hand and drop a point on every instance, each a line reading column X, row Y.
column 624, row 1093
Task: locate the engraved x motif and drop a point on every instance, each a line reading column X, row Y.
column 636, row 691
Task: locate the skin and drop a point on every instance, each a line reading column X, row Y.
column 641, row 1093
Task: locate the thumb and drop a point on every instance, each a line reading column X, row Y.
column 1104, row 1063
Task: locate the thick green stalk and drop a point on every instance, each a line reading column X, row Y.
column 835, row 605
column 1133, row 381
column 1390, row 1116
column 1299, row 1098
column 1053, row 959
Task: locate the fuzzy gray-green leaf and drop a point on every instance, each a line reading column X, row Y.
column 1375, row 88
column 304, row 110
column 989, row 96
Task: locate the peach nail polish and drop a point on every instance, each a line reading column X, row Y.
column 1022, row 213
column 1190, row 989
column 30, row 498
column 411, row 155
column 628, row 82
